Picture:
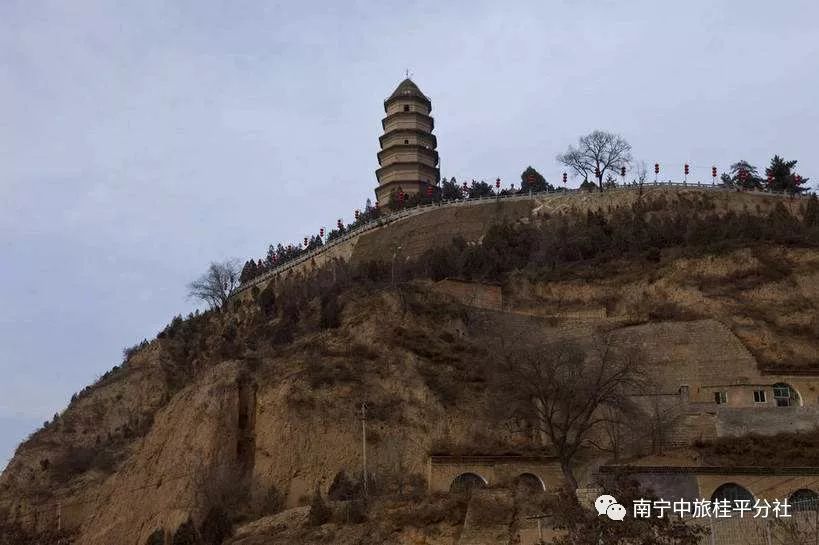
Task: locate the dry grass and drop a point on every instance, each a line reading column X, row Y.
column 780, row 450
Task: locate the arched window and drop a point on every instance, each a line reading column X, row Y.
column 466, row 482
column 732, row 492
column 529, row 483
column 785, row 395
column 804, row 499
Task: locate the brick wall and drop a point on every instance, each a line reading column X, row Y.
column 732, row 421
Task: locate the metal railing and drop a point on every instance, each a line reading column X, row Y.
column 421, row 209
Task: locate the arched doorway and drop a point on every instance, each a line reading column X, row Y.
column 528, row 483
column 785, row 395
column 732, row 492
column 466, row 482
column 804, row 499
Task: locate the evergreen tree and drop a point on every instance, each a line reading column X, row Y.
column 319, row 512
column 450, row 190
column 588, row 185
column 744, row 175
column 248, row 271
column 538, row 182
column 782, row 178
column 480, row 189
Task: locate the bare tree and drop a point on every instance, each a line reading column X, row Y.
column 569, row 393
column 216, row 284
column 661, row 419
column 597, row 153
column 642, row 172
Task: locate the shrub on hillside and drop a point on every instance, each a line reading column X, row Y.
column 129, row 351
column 216, row 527
column 272, row 502
column 353, row 511
column 430, row 510
column 343, row 488
column 319, row 512
column 330, row 311
column 156, row 538
column 267, row 300
column 14, row 534
column 78, row 460
column 186, row 534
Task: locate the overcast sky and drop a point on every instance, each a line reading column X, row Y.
column 140, row 140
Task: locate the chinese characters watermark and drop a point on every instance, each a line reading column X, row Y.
column 697, row 508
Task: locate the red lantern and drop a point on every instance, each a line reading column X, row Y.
column 656, row 168
column 564, row 178
column 686, row 169
column 596, row 172
column 623, row 172
column 497, row 183
column 429, row 191
column 376, row 205
column 531, row 178
column 305, row 242
column 465, row 186
column 357, row 213
column 321, row 232
column 339, row 224
column 713, row 172
column 798, row 179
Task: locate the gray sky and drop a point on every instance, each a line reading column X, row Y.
column 140, row 140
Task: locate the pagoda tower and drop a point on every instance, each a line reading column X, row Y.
column 408, row 160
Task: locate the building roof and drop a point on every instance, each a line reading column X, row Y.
column 407, row 88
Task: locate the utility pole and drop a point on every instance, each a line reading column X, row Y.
column 59, row 516
column 364, row 444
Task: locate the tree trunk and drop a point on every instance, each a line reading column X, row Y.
column 569, row 475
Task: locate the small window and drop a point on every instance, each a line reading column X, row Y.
column 406, row 107
column 785, row 396
column 720, row 398
column 759, row 396
column 406, row 141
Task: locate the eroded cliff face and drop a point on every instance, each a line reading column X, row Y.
column 278, row 421
column 55, row 474
column 227, row 412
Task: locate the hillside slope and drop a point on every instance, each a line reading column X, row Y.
column 252, row 408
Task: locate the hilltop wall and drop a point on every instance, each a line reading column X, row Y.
column 411, row 232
